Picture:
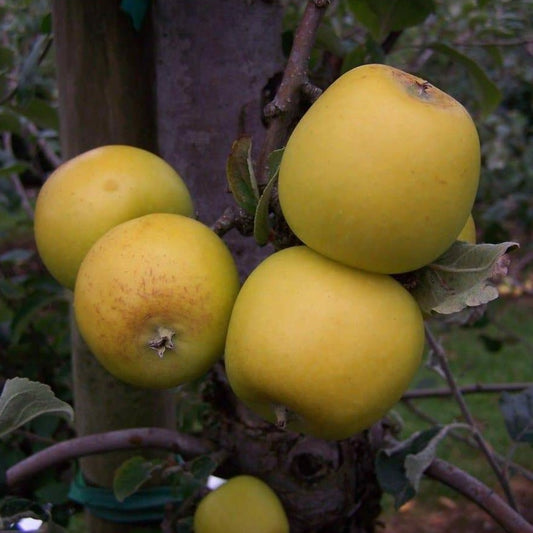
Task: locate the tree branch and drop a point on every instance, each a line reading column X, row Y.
column 480, row 494
column 467, row 389
column 15, row 179
column 503, row 461
column 124, row 439
column 484, row 447
column 283, row 108
column 234, row 217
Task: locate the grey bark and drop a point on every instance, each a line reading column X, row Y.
column 213, row 59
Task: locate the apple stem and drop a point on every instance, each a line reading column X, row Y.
column 282, row 416
column 162, row 341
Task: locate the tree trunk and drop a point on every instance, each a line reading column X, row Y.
column 213, row 57
column 105, row 78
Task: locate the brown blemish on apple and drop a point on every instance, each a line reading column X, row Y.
column 110, row 185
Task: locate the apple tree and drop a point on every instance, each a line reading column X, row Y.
column 216, row 88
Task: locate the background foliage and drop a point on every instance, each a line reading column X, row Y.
column 478, row 51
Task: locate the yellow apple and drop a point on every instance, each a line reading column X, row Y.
column 91, row 193
column 326, row 348
column 381, row 172
column 244, row 504
column 468, row 233
column 153, row 299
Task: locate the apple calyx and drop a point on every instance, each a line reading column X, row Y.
column 162, row 341
column 423, row 87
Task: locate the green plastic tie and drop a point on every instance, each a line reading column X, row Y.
column 145, row 505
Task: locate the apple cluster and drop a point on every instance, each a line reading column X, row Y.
column 378, row 178
column 153, row 287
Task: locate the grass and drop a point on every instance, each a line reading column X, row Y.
column 497, row 351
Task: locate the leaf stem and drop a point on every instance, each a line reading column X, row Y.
column 442, row 358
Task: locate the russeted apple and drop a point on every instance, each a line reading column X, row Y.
column 153, row 299
column 93, row 192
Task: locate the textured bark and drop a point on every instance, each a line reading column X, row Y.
column 105, row 78
column 324, row 485
column 213, row 57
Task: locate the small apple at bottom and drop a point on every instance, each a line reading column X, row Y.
column 244, row 504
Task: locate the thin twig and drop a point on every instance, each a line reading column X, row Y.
column 233, row 217
column 480, row 494
column 504, row 461
column 124, row 439
column 46, row 149
column 466, row 389
column 465, row 411
column 15, row 180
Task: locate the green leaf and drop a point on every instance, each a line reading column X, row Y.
column 202, row 467
column 14, row 169
column 366, row 14
column 131, row 475
column 407, row 13
column 416, row 463
column 10, row 121
column 381, row 17
column 327, row 39
column 55, row 492
column 31, row 62
column 240, row 175
column 7, row 58
column 353, row 59
column 39, row 112
column 261, row 220
column 390, row 466
column 489, row 94
column 517, row 410
column 31, row 307
column 460, row 277
column 137, row 10
column 46, row 23
column 23, row 400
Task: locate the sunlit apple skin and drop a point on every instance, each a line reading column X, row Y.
column 333, row 345
column 156, row 273
column 93, row 192
column 468, row 233
column 381, row 172
column 244, row 504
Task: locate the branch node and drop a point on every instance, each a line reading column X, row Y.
column 311, row 91
column 273, row 109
